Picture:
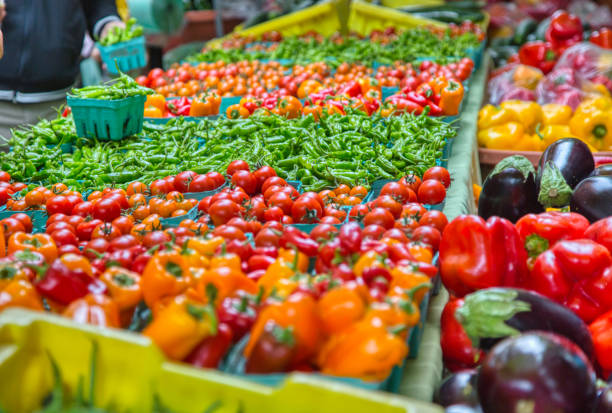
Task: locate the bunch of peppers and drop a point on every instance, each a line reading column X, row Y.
column 441, row 96
column 556, row 254
column 156, row 106
column 564, row 31
column 528, row 126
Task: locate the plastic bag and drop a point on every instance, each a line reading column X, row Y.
column 560, row 86
column 598, row 16
column 587, row 60
column 518, row 83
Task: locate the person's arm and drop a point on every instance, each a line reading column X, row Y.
column 101, row 16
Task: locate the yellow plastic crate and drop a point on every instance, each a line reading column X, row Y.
column 130, row 372
column 365, row 17
column 401, row 3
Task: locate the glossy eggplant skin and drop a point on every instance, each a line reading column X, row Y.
column 536, row 372
column 458, row 388
column 602, row 170
column 593, row 198
column 547, row 315
column 573, row 158
column 508, row 194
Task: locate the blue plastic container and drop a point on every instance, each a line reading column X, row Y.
column 125, row 55
column 39, row 218
column 174, row 222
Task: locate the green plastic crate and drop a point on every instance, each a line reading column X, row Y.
column 107, row 119
column 39, row 218
column 124, row 56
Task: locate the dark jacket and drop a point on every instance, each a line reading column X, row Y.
column 43, row 40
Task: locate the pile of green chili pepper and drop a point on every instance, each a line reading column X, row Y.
column 122, row 87
column 350, row 149
column 409, row 45
column 120, row 34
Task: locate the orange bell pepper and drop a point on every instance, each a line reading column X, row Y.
column 166, row 274
column 421, row 252
column 407, row 279
column 180, row 326
column 206, row 247
column 123, row 286
column 286, row 265
column 397, row 313
column 20, row 293
column 300, row 313
column 451, row 96
column 371, row 259
column 193, row 258
column 76, row 262
column 229, row 260
column 10, row 272
column 340, row 307
column 153, row 112
column 41, row 243
column 226, row 280
column 365, row 349
column 95, row 309
column 156, row 100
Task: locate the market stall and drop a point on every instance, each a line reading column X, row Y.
column 347, row 206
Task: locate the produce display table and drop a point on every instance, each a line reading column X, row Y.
column 423, row 373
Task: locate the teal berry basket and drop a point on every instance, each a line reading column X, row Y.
column 124, row 56
column 107, row 119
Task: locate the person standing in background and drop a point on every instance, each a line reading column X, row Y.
column 43, row 41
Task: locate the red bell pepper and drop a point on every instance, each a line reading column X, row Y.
column 239, row 313
column 300, row 240
column 602, row 38
column 351, row 89
column 601, row 232
column 601, row 334
column 211, row 350
column 538, row 54
column 179, row 107
column 475, row 254
column 541, row 231
column 457, row 349
column 564, row 31
column 576, row 273
column 64, row 285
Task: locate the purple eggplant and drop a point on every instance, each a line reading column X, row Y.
column 491, row 314
column 458, row 388
column 605, row 170
column 604, row 401
column 571, row 156
column 536, row 372
column 593, row 198
column 508, row 194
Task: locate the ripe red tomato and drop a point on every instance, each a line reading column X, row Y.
column 431, row 192
column 155, row 238
column 217, row 178
column 202, row 183
column 412, row 181
column 395, row 233
column 64, row 237
column 204, row 204
column 229, row 232
column 267, row 238
column 123, row 242
column 373, row 231
column 262, row 174
column 398, row 191
column 439, row 174
column 56, row 218
column 390, row 204
column 5, row 176
column 246, row 181
column 106, row 209
column 428, row 235
column 273, row 180
column 124, row 223
column 434, row 218
column 182, row 182
column 159, row 186
column 273, row 214
column 379, row 216
column 323, row 231
column 237, row 165
column 358, row 212
column 119, row 198
column 83, row 209
column 59, row 204
column 107, row 231
column 222, row 211
column 56, row 226
column 25, row 220
column 99, row 245
column 86, row 228
column 306, row 210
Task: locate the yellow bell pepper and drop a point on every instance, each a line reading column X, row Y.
column 530, row 143
column 592, row 121
column 552, row 133
column 555, row 114
column 504, row 136
column 370, row 259
column 206, row 247
column 285, row 266
column 528, row 113
column 490, row 116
